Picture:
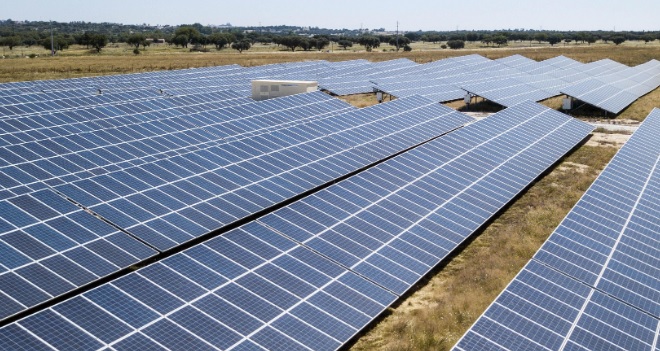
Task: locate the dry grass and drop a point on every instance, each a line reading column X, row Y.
column 445, row 305
column 554, row 103
column 79, row 62
column 363, row 100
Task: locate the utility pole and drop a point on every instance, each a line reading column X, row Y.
column 52, row 44
column 397, row 35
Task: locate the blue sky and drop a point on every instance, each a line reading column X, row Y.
column 411, row 14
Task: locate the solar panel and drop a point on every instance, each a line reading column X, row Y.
column 246, row 288
column 602, row 95
column 594, row 283
column 563, row 62
column 507, row 91
column 395, row 222
column 435, row 89
column 173, row 200
column 347, row 85
column 50, row 247
column 515, row 60
column 97, row 146
column 72, row 103
column 254, row 286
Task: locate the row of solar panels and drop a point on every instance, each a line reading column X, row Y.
column 606, row 84
column 165, row 184
column 307, row 276
column 39, row 97
column 595, row 283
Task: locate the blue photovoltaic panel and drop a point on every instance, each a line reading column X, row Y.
column 75, row 102
column 254, row 286
column 135, row 139
column 171, row 201
column 507, row 91
column 613, row 92
column 395, row 222
column 515, row 60
column 248, row 287
column 595, row 283
column 48, row 247
column 613, row 248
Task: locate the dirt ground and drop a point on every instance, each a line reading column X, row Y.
column 608, row 139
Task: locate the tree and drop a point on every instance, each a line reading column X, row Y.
column 456, row 44
column 30, row 39
column 85, row 39
column 472, row 37
column 344, row 43
column 590, row 39
column 554, row 39
column 500, row 39
column 180, row 40
column 253, row 37
column 434, row 38
column 136, row 40
column 407, row 48
column 321, row 42
column 290, row 41
column 191, row 33
column 98, row 41
column 59, row 43
column 241, row 45
column 487, row 39
column 306, row 44
column 369, row 42
column 402, row 41
column 265, row 39
column 220, row 40
column 618, row 39
column 541, row 37
column 12, row 41
column 647, row 38
column 413, row 36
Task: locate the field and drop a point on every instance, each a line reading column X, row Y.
column 81, row 62
column 441, row 307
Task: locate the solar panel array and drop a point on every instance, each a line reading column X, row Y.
column 163, row 176
column 506, row 81
column 311, row 275
column 51, row 246
column 616, row 91
column 511, row 80
column 97, row 182
column 203, row 190
column 595, row 283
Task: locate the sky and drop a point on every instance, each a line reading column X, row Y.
column 412, row 15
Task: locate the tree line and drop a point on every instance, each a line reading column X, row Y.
column 198, row 37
